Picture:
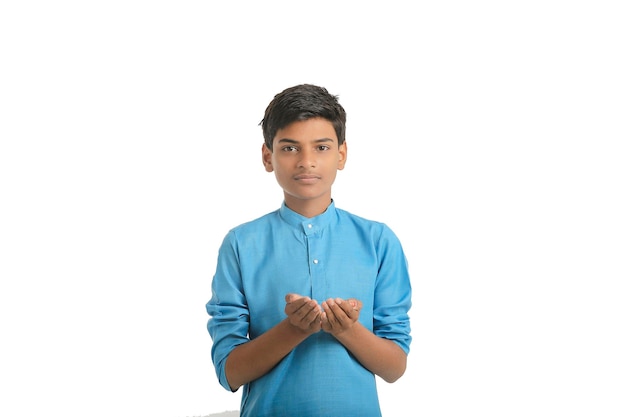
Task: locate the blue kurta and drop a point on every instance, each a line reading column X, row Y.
column 335, row 254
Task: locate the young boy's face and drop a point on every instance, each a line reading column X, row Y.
column 305, row 160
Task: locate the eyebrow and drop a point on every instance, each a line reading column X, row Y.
column 321, row 140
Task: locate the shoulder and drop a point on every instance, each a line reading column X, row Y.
column 349, row 217
column 252, row 228
column 375, row 231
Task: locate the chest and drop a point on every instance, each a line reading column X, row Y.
column 317, row 266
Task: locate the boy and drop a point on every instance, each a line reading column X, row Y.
column 309, row 302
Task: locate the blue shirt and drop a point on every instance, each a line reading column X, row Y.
column 335, row 254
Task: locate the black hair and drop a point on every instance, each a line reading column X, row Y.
column 302, row 102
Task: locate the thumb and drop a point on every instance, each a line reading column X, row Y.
column 355, row 304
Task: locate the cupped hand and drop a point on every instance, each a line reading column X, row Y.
column 340, row 315
column 303, row 313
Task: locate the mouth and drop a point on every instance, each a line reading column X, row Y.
column 307, row 178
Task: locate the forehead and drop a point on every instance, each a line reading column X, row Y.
column 307, row 130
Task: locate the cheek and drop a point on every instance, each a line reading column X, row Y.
column 279, row 172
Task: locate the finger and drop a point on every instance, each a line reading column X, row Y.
column 328, row 316
column 348, row 311
column 345, row 305
column 297, row 302
column 307, row 310
column 356, row 306
column 323, row 317
column 311, row 316
column 337, row 308
column 308, row 318
column 291, row 297
column 324, row 322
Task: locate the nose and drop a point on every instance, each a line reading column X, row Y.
column 307, row 159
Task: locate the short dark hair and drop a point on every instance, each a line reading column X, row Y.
column 302, row 102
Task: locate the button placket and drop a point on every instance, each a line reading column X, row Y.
column 311, row 232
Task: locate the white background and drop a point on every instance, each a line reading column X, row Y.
column 487, row 134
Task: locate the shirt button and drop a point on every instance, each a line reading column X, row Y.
column 310, row 226
column 315, row 261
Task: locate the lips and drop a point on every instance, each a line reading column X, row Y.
column 306, row 178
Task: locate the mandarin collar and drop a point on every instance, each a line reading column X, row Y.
column 308, row 225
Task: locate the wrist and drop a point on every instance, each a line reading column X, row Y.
column 297, row 332
column 349, row 333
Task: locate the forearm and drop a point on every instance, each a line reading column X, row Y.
column 257, row 357
column 381, row 356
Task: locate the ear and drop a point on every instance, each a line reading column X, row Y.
column 266, row 154
column 343, row 155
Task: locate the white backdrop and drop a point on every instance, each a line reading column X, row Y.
column 487, row 134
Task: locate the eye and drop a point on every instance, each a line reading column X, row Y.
column 289, row 148
column 323, row 148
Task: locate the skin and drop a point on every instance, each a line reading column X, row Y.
column 305, row 161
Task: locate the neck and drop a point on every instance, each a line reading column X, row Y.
column 308, row 208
